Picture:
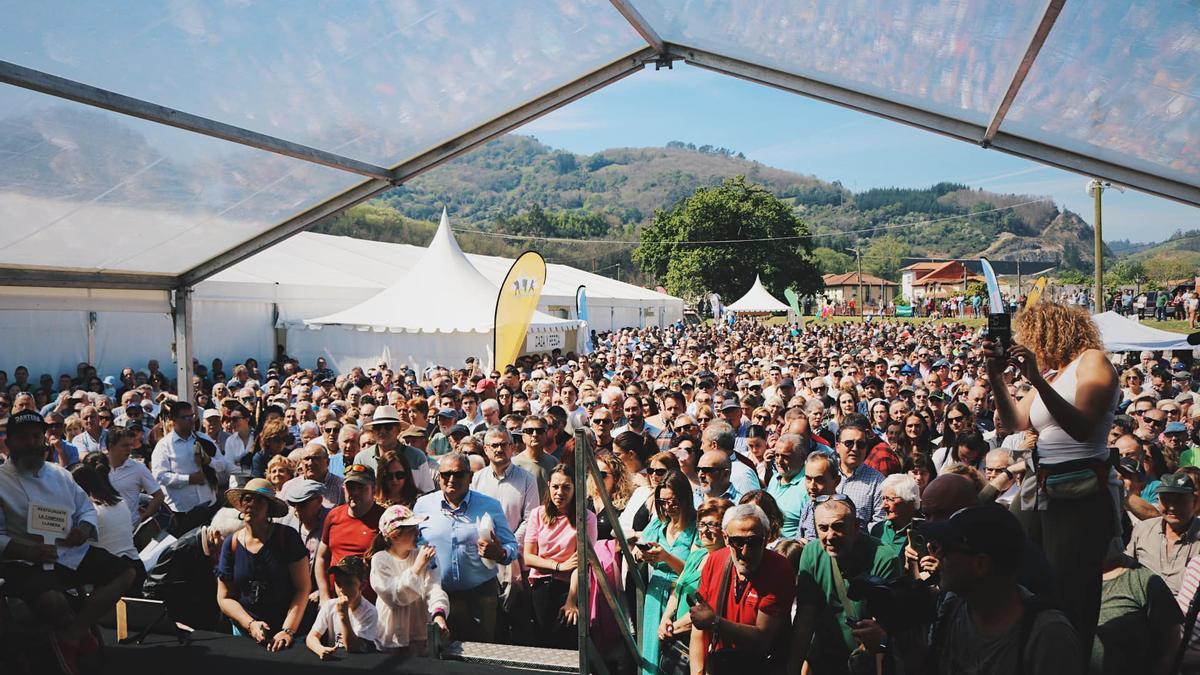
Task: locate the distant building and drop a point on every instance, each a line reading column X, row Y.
column 935, row 280
column 844, row 288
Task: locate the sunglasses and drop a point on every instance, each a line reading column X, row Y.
column 658, row 472
column 666, row 503
column 708, row 526
column 395, row 475
column 954, row 419
column 448, row 476
column 534, row 430
column 357, row 468
column 328, row 430
column 753, row 541
column 861, row 444
column 710, row 469
column 603, row 422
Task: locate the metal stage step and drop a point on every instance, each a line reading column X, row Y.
column 513, row 656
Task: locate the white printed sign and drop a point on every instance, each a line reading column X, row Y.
column 544, row 342
column 48, row 521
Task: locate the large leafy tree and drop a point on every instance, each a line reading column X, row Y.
column 718, row 238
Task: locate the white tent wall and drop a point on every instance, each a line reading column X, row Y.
column 51, row 342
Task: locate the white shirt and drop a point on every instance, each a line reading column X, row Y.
column 235, row 449
column 516, row 490
column 364, row 621
column 406, row 599
column 52, row 486
column 646, row 426
column 172, row 461
column 115, row 533
column 131, row 479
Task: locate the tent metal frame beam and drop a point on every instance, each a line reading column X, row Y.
column 427, row 160
column 640, row 24
column 948, row 126
column 17, row 276
column 1040, row 33
column 36, row 80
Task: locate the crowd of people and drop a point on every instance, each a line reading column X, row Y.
column 853, row 497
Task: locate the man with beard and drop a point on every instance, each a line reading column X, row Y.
column 40, row 568
column 744, row 628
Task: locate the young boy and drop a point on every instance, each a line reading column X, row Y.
column 346, row 621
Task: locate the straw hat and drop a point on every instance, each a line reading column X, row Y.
column 262, row 488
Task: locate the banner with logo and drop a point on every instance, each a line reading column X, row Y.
column 581, row 313
column 515, row 304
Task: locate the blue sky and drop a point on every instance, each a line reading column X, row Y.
column 804, row 135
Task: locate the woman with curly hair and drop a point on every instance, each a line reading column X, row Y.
column 271, row 441
column 1067, row 504
column 618, row 487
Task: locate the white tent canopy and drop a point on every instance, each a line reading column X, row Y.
column 756, row 300
column 1124, row 335
column 440, row 311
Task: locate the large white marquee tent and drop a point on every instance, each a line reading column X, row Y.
column 757, row 300
column 146, row 147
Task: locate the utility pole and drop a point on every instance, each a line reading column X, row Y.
column 1096, row 188
column 858, row 259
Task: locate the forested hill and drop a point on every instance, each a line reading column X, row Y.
column 517, row 185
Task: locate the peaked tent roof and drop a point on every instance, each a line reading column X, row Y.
column 1125, row 335
column 465, row 303
column 757, row 299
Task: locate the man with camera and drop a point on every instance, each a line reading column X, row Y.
column 834, row 633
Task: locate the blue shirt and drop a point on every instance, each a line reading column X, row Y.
column 790, row 497
column 454, row 533
column 732, row 493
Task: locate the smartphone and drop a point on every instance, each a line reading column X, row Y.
column 851, row 621
column 642, row 545
column 999, row 330
column 692, row 599
column 917, row 540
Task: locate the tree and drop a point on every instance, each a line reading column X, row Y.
column 1166, row 267
column 884, row 256
column 830, row 261
column 752, row 220
column 1128, row 272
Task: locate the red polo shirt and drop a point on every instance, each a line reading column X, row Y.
column 346, row 535
column 770, row 589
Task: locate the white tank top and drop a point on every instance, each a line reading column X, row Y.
column 1054, row 444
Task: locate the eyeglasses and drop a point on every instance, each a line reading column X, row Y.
column 448, row 476
column 821, row 499
column 708, row 526
column 688, row 426
column 357, row 468
column 711, row 469
column 395, row 475
column 1153, row 422
column 861, row 444
column 602, row 422
column 328, row 430
column 590, row 404
column 667, row 503
column 952, row 420
column 496, row 445
column 658, row 472
column 533, row 431
column 753, row 541
column 897, row 500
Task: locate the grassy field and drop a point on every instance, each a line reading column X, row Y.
column 1173, row 326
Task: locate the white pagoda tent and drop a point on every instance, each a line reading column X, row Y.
column 439, row 312
column 1125, row 335
column 756, row 301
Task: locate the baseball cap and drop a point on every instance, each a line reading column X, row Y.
column 941, row 363
column 1181, row 375
column 484, row 384
column 787, row 382
column 447, row 413
column 730, row 402
column 359, row 473
column 211, row 413
column 300, row 491
column 24, row 418
column 459, row 429
column 1177, row 483
column 1175, row 428
column 990, row 530
column 397, row 516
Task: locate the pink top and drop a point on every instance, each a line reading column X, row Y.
column 555, row 541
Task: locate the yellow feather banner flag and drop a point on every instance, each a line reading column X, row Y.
column 1035, row 293
column 518, row 298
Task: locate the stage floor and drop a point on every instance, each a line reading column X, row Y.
column 213, row 653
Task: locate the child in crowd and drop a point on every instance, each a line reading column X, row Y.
column 407, row 581
column 347, row 621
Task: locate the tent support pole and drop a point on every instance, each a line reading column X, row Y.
column 181, row 315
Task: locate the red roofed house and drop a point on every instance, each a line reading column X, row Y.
column 936, row 279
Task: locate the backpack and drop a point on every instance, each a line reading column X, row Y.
column 1034, row 606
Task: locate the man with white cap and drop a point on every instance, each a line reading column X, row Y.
column 387, row 426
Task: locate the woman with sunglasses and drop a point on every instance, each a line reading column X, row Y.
column 664, row 546
column 393, row 482
column 551, row 555
column 959, row 421
column 1132, row 387
column 675, row 628
column 616, row 486
column 640, row 509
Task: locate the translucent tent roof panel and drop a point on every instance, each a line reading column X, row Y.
column 954, row 57
column 376, row 81
column 85, row 189
column 1119, row 81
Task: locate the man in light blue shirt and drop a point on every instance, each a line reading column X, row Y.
column 787, row 486
column 468, row 563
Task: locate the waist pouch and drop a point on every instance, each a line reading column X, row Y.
column 1076, row 479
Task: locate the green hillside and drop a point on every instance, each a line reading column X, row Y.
column 519, row 186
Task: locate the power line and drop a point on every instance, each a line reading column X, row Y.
column 840, row 233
